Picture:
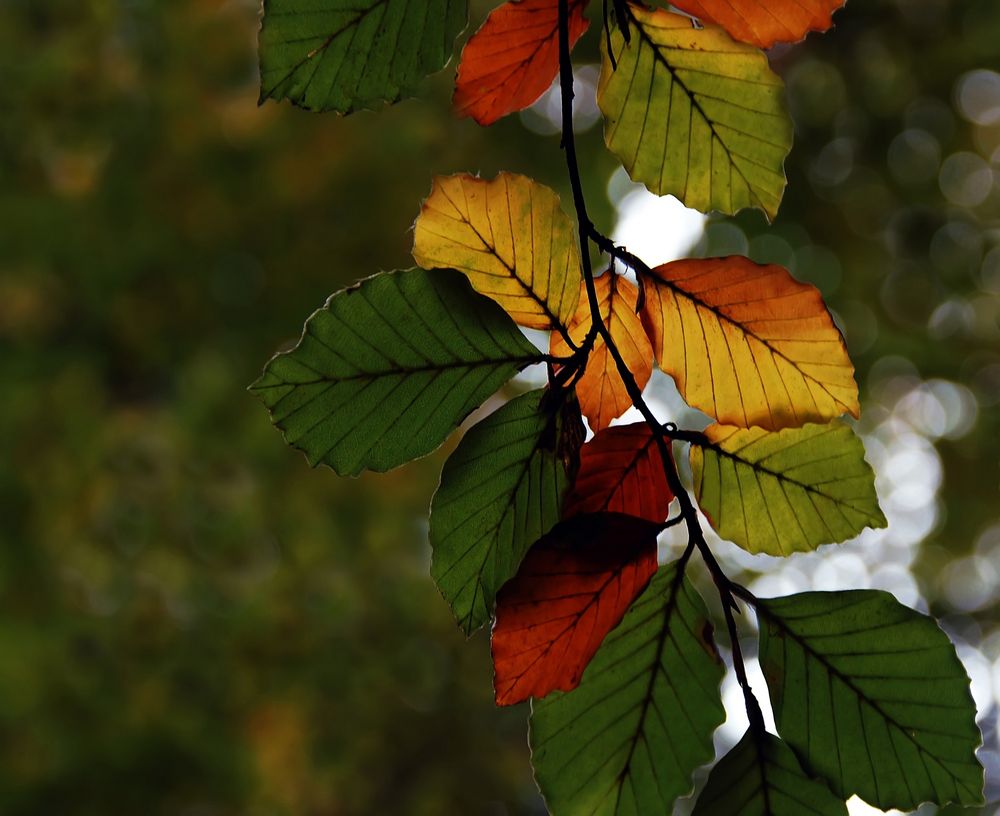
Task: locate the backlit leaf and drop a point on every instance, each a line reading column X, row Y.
column 872, row 696
column 601, row 390
column 764, row 22
column 785, row 491
column 511, row 238
column 389, row 367
column 748, row 344
column 513, row 58
column 760, row 776
column 621, row 471
column 628, row 738
column 690, row 112
column 501, row 490
column 573, row 588
column 343, row 55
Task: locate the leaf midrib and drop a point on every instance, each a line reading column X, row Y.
column 678, row 290
column 874, row 704
column 695, row 104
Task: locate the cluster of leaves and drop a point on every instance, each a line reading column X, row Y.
column 552, row 536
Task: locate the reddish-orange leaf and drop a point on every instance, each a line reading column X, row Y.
column 764, row 22
column 621, row 471
column 748, row 344
column 573, row 588
column 601, row 389
column 513, row 58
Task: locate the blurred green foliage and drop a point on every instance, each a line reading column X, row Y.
column 192, row 621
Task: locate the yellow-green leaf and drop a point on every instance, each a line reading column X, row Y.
column 694, row 114
column 748, row 344
column 511, row 238
column 785, row 491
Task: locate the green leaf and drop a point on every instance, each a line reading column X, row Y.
column 343, row 55
column 388, row 368
column 628, row 738
column 762, row 777
column 872, row 696
column 501, row 490
column 694, row 114
column 786, row 491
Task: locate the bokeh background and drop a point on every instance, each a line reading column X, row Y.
column 194, row 622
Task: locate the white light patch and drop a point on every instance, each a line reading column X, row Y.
column 658, row 229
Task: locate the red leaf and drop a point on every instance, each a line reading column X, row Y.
column 573, row 588
column 621, row 471
column 513, row 58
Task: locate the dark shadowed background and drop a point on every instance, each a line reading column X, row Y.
column 194, row 622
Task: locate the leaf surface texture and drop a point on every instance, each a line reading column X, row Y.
column 764, row 22
column 511, row 238
column 691, row 113
column 628, row 738
column 342, row 55
column 513, row 58
column 779, row 492
column 501, row 490
column 760, row 776
column 602, row 392
column 388, row 368
column 621, row 471
column 573, row 588
column 748, row 344
column 872, row 696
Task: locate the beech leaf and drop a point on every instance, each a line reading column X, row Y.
column 513, row 58
column 342, row 55
column 760, row 776
column 573, row 588
column 628, row 738
column 748, row 344
column 602, row 392
column 872, row 696
column 389, row 367
column 779, row 492
column 691, row 113
column 501, row 490
column 511, row 238
column 764, row 22
column 621, row 471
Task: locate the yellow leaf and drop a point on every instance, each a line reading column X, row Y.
column 510, row 237
column 601, row 390
column 748, row 344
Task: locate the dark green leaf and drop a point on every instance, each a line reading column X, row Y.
column 343, row 55
column 872, row 696
column 628, row 738
column 388, row 368
column 762, row 777
column 501, row 490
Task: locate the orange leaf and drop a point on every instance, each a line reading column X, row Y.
column 621, row 470
column 764, row 22
column 601, row 390
column 748, row 344
column 573, row 588
column 513, row 58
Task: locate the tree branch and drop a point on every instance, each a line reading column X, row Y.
column 662, row 433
